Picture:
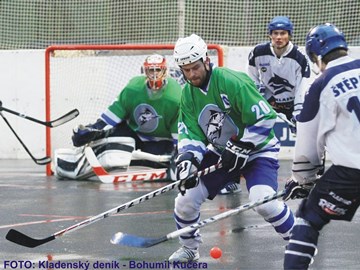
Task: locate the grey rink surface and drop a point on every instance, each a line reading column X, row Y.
column 40, row 206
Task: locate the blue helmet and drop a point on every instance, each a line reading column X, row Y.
column 323, row 39
column 280, row 23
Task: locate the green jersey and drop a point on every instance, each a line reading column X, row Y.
column 230, row 106
column 152, row 115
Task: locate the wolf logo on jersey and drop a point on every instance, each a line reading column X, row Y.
column 280, row 85
column 146, row 118
column 215, row 125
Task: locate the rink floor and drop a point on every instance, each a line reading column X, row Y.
column 40, row 206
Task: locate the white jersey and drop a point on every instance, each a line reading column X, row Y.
column 285, row 78
column 330, row 119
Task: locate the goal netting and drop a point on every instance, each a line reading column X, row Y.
column 90, row 77
column 35, row 24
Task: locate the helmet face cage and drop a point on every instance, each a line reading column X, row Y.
column 156, row 71
column 323, row 39
column 189, row 50
column 280, row 23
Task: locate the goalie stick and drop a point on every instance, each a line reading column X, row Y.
column 54, row 123
column 39, row 161
column 107, row 178
column 27, row 241
column 144, row 242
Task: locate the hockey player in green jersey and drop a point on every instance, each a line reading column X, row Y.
column 145, row 110
column 223, row 118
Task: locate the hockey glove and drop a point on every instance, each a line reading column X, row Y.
column 235, row 154
column 293, row 190
column 85, row 134
column 186, row 166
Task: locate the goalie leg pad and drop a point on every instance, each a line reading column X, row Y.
column 70, row 163
column 112, row 153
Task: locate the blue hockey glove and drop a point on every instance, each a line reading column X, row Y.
column 85, row 134
column 186, row 166
column 235, row 154
column 293, row 190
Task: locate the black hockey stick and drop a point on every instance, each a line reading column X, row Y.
column 54, row 123
column 144, row 242
column 27, row 241
column 39, row 161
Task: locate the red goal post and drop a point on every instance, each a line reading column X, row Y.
column 89, row 78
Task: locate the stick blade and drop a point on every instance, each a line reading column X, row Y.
column 24, row 240
column 65, row 118
column 43, row 161
column 130, row 240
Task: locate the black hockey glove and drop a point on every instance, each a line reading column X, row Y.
column 186, row 166
column 293, row 190
column 85, row 134
column 235, row 154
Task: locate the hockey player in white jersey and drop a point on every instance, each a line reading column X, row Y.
column 280, row 70
column 330, row 119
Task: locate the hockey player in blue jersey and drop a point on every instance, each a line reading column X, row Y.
column 280, row 70
column 330, row 119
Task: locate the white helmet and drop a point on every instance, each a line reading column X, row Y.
column 189, row 50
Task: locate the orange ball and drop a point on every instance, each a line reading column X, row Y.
column 215, row 252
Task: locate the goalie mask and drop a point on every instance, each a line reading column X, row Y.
column 156, row 71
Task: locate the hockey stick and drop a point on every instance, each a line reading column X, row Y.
column 283, row 117
column 144, row 242
column 57, row 122
column 107, row 178
column 138, row 154
column 39, row 161
column 27, row 241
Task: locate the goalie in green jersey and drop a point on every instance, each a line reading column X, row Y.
column 144, row 117
column 223, row 118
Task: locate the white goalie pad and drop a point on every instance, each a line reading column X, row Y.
column 112, row 153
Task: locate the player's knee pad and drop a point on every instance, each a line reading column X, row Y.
column 259, row 192
column 275, row 212
column 302, row 245
column 185, row 207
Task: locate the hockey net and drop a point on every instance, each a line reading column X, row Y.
column 36, row 24
column 90, row 77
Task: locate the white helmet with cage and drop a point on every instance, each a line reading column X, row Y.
column 155, row 69
column 189, row 50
